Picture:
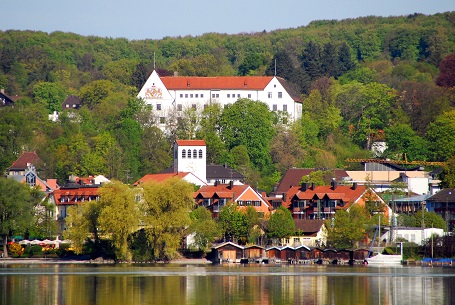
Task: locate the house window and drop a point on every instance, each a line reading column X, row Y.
column 183, row 154
column 162, row 120
column 202, row 95
column 200, row 153
column 179, row 107
column 274, row 85
column 194, row 153
column 67, row 105
column 31, row 179
column 275, row 107
column 205, row 202
column 280, row 94
column 238, row 95
column 285, row 107
column 193, row 106
column 186, row 95
column 228, row 95
column 158, row 106
column 249, row 95
column 181, row 95
column 191, row 95
column 269, row 95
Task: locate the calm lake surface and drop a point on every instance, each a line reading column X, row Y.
column 79, row 284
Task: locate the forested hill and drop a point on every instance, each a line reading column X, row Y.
column 360, row 79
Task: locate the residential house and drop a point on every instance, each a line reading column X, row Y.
column 23, row 163
column 411, row 234
column 31, row 178
column 215, row 197
column 173, row 94
column 443, row 204
column 293, row 177
column 321, row 202
column 76, row 191
column 308, row 232
column 6, row 100
column 223, row 174
column 72, row 102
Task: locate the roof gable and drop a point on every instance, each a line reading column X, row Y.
column 25, row 160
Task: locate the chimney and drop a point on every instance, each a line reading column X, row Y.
column 313, row 186
column 334, row 184
column 216, row 183
column 304, row 187
column 231, row 184
column 354, row 185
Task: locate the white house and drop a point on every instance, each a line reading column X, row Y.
column 171, row 95
column 415, row 235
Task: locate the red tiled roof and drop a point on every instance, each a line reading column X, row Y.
column 308, row 226
column 190, row 142
column 217, row 82
column 293, row 176
column 346, row 193
column 25, row 159
column 159, row 177
column 72, row 193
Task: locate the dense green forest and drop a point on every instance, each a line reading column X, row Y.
column 361, row 80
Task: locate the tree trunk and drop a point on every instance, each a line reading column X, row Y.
column 5, row 245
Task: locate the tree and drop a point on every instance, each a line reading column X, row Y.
column 430, row 219
column 166, row 206
column 448, row 174
column 318, row 177
column 311, row 60
column 249, row 123
column 119, row 216
column 441, row 133
column 234, row 223
column 50, row 95
column 446, row 77
column 204, row 228
column 346, row 228
column 281, row 224
column 16, row 209
column 78, row 225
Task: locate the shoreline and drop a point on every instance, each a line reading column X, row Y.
column 11, row 261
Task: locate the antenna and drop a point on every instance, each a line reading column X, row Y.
column 154, row 60
column 275, row 66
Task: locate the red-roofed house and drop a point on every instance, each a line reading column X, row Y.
column 76, row 191
column 321, row 202
column 215, row 197
column 25, row 160
column 174, row 94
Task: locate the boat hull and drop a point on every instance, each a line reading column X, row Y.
column 381, row 259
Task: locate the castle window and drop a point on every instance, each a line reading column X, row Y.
column 200, row 153
column 183, row 154
column 280, row 94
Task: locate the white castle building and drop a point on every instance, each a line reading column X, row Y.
column 173, row 94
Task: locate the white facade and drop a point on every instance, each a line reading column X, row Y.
column 190, row 156
column 415, row 235
column 173, row 95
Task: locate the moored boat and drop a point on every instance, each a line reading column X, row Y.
column 383, row 259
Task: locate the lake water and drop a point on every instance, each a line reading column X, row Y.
column 78, row 284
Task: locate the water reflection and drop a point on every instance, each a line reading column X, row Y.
column 170, row 284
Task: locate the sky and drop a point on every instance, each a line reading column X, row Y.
column 149, row 19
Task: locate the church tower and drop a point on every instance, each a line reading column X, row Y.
column 190, row 156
